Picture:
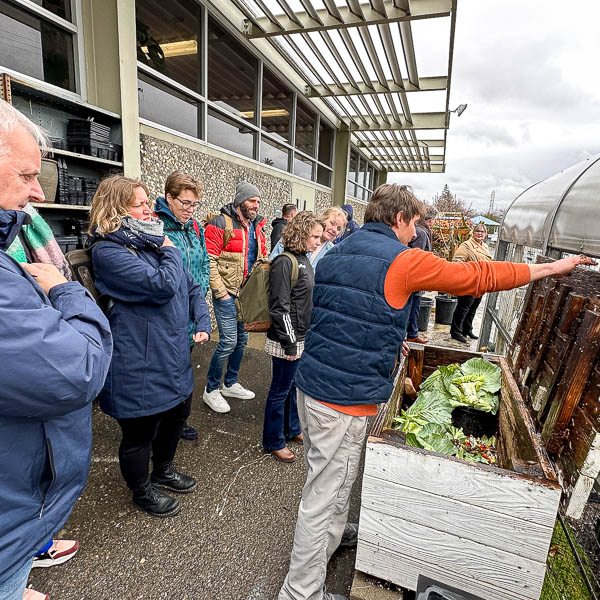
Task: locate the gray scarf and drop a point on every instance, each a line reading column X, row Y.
column 153, row 227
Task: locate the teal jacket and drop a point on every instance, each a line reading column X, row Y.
column 189, row 239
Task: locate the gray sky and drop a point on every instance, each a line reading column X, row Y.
column 529, row 71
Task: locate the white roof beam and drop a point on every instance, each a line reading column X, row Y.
column 436, row 120
column 419, row 9
column 419, row 144
column 425, row 84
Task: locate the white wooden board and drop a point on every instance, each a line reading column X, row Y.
column 490, row 488
column 404, row 570
column 456, row 517
column 439, row 552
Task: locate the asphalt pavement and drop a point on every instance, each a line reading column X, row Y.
column 233, row 537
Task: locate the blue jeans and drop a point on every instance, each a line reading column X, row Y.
column 412, row 329
column 231, row 346
column 281, row 412
column 13, row 588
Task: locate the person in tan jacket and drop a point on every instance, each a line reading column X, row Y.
column 474, row 249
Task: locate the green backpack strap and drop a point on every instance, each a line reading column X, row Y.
column 294, row 260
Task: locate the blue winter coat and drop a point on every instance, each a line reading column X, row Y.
column 55, row 352
column 154, row 299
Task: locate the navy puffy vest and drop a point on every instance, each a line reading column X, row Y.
column 354, row 343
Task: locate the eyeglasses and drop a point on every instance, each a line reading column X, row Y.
column 188, row 204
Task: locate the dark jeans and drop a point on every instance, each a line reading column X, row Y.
column 462, row 320
column 412, row 328
column 281, row 412
column 158, row 434
column 231, row 346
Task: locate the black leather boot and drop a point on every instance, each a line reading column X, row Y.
column 154, row 501
column 471, row 335
column 167, row 477
column 458, row 337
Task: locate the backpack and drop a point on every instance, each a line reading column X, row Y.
column 227, row 234
column 252, row 302
column 82, row 269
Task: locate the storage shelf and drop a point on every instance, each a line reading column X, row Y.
column 59, row 206
column 104, row 161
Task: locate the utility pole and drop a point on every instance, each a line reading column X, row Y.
column 492, row 199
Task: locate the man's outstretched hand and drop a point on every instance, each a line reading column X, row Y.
column 559, row 268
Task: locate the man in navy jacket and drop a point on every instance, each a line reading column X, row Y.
column 55, row 348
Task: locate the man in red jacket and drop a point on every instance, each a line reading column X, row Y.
column 234, row 240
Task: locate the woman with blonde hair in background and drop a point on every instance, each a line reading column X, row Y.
column 473, row 249
column 150, row 383
column 334, row 220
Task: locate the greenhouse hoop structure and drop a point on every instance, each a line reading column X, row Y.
column 556, row 217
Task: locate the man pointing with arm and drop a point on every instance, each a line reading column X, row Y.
column 352, row 352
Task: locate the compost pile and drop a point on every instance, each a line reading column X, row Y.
column 428, row 422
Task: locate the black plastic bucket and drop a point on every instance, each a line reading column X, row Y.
column 444, row 309
column 425, row 312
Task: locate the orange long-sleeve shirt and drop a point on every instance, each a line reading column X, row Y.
column 415, row 270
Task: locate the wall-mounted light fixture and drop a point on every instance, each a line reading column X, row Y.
column 459, row 110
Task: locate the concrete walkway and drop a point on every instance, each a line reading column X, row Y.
column 233, row 537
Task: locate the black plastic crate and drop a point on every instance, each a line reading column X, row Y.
column 67, row 242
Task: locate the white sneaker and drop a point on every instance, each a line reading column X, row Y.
column 216, row 401
column 237, row 391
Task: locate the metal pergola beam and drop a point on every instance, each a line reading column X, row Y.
column 304, row 23
column 418, row 144
column 419, row 121
column 426, row 84
column 436, row 168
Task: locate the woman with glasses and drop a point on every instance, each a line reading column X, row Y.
column 176, row 211
column 150, row 382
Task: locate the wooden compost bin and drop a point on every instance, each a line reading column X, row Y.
column 482, row 529
column 555, row 356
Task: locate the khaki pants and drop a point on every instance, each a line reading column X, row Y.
column 332, row 447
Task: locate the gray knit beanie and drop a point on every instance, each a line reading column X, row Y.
column 244, row 191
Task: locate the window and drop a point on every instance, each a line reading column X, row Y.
column 229, row 133
column 232, row 74
column 37, row 47
column 276, row 107
column 167, row 39
column 273, row 154
column 305, row 129
column 361, row 177
column 61, row 8
column 303, row 167
column 325, row 143
column 166, row 106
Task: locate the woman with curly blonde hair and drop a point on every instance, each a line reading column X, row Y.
column 333, row 220
column 290, row 306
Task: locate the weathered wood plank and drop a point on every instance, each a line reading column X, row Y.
column 415, row 364
column 532, row 324
column 573, row 381
column 404, row 570
column 518, row 437
column 555, row 299
column 520, row 496
column 457, row 517
column 438, row 551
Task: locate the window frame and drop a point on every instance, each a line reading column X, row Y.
column 75, row 29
